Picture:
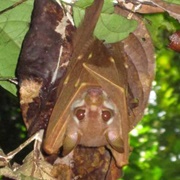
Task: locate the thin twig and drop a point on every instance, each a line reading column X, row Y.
column 37, row 137
column 12, row 6
column 10, row 79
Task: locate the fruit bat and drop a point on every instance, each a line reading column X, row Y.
column 95, row 104
column 91, row 108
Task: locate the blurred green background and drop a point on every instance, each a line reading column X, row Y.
column 156, row 139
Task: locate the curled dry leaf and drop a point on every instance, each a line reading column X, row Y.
column 138, row 52
column 139, row 6
column 151, row 6
column 37, row 169
column 86, row 163
column 93, row 163
column 44, row 57
column 172, row 9
column 9, row 173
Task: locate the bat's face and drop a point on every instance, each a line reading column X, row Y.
column 94, row 121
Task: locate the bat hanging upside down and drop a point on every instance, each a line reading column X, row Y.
column 91, row 107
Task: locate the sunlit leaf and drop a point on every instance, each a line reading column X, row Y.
column 173, row 1
column 83, row 4
column 112, row 28
column 31, row 170
column 13, row 27
column 8, row 173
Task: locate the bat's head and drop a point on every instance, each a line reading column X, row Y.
column 94, row 122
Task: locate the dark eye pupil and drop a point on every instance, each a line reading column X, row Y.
column 106, row 115
column 80, row 114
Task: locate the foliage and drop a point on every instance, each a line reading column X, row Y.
column 13, row 27
column 110, row 27
column 12, row 129
column 173, row 1
column 155, row 141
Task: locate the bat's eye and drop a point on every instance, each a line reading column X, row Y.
column 106, row 115
column 80, row 114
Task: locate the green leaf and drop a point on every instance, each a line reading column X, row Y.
column 173, row 1
column 78, row 15
column 113, row 28
column 83, row 4
column 13, row 27
column 108, row 7
column 110, row 27
column 160, row 21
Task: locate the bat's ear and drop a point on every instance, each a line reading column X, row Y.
column 70, row 142
column 115, row 141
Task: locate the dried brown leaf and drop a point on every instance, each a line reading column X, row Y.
column 44, row 56
column 172, row 9
column 35, row 168
column 151, row 6
column 140, row 64
column 86, row 163
column 9, row 173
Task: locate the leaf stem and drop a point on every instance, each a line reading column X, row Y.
column 12, row 6
column 10, row 79
column 37, row 137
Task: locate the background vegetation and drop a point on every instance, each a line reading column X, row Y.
column 155, row 140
